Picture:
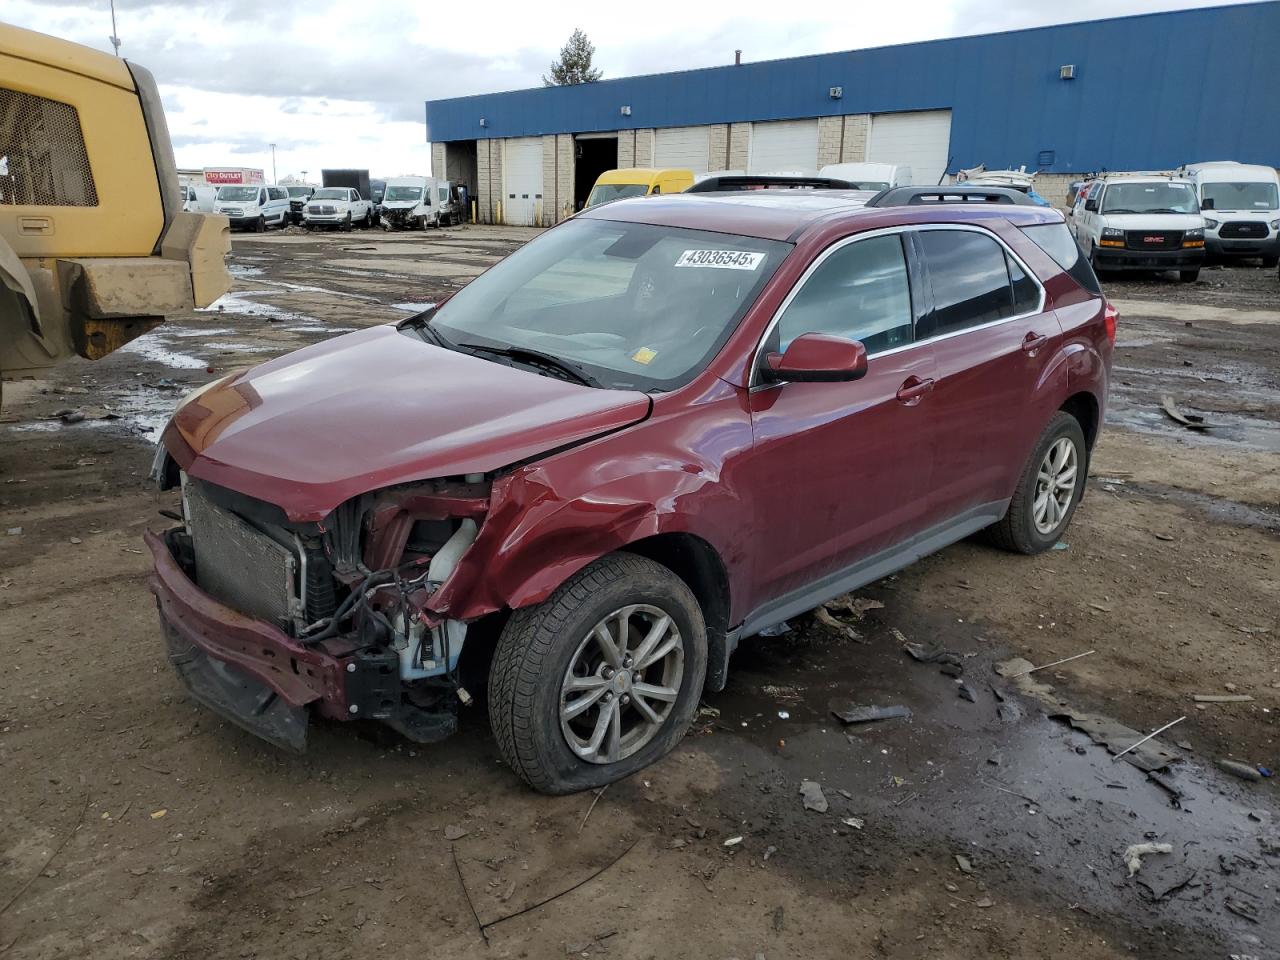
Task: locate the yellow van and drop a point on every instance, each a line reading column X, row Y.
column 637, row 182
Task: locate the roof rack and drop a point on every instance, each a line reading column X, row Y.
column 736, row 182
column 958, row 193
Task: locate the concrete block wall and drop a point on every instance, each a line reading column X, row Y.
column 856, row 132
column 739, row 146
column 438, row 166
column 718, row 146
column 644, row 140
column 489, row 155
column 548, row 207
column 830, row 140
column 564, row 175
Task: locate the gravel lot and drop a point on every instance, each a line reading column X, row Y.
column 134, row 824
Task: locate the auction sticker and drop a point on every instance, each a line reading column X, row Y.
column 724, row 259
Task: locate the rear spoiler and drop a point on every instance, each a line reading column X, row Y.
column 736, row 182
column 959, row 193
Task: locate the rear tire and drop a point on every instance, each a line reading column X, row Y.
column 1032, row 524
column 1189, row 276
column 554, row 690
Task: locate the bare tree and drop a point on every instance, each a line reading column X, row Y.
column 574, row 65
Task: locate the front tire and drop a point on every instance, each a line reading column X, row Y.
column 601, row 679
column 1048, row 491
column 1189, row 276
column 346, row 224
column 260, row 225
column 1269, row 263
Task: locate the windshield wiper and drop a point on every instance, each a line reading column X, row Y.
column 536, row 358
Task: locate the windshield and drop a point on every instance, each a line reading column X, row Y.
column 238, row 194
column 637, row 306
column 332, row 193
column 606, row 192
column 403, row 193
column 876, row 185
column 1150, row 198
column 1241, row 196
column 300, row 191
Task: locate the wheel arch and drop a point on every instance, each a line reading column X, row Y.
column 1083, row 405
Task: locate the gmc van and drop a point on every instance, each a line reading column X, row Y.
column 1140, row 222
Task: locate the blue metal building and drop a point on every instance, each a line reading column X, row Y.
column 1139, row 92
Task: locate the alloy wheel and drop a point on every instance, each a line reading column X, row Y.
column 621, row 683
column 1055, row 485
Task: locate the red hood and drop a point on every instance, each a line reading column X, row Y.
column 313, row 428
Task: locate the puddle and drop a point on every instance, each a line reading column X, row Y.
column 150, row 346
column 197, row 332
column 1216, row 508
column 1227, row 429
column 36, row 426
column 308, row 288
column 1039, row 808
column 243, row 347
column 242, row 272
column 239, row 302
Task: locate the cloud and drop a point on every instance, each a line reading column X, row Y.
column 334, row 84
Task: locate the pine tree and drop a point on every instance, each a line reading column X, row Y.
column 574, row 65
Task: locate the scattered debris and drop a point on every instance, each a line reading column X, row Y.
column 952, row 669
column 856, row 822
column 1238, row 769
column 1190, row 421
column 854, row 714
column 733, row 841
column 855, row 606
column 1116, row 737
column 814, row 799
column 157, row 814
column 1134, row 854
column 777, row 630
column 1242, row 908
column 14, row 531
column 596, row 800
column 84, row 808
column 963, row 863
column 1165, row 885
column 1147, row 737
column 769, row 851
column 1061, row 546
column 824, row 617
column 1165, row 782
column 966, row 692
column 1222, row 698
column 934, row 653
column 452, row 832
column 784, row 715
column 984, row 903
column 1045, row 666
column 1167, row 538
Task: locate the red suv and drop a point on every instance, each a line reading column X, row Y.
column 660, row 427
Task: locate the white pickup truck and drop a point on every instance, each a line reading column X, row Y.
column 337, row 207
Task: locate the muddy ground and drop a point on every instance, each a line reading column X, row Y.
column 134, row 824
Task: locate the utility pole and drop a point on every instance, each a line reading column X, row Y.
column 273, row 164
column 114, row 38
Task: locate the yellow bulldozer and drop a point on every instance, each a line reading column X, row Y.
column 95, row 248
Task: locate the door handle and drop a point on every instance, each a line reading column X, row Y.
column 1033, row 342
column 913, row 389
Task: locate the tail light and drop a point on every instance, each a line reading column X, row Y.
column 1109, row 316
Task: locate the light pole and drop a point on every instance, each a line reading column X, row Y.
column 273, row 164
column 115, row 40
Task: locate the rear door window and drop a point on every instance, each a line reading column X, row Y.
column 860, row 292
column 970, row 276
column 1056, row 240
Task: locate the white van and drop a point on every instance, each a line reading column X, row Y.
column 869, row 176
column 254, row 207
column 1241, row 207
column 198, row 197
column 1140, row 222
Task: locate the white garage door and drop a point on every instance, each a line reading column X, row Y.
column 522, row 172
column 784, row 146
column 918, row 140
column 682, row 147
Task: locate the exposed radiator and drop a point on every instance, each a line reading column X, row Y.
column 239, row 564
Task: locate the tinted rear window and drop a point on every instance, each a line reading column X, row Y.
column 970, row 280
column 1056, row 240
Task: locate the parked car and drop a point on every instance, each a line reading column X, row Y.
column 1241, row 207
column 1139, row 222
column 254, row 207
column 869, row 176
column 406, row 204
column 604, row 461
column 298, row 197
column 637, row 182
column 339, row 207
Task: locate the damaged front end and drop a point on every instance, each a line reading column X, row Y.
column 400, row 217
column 269, row 619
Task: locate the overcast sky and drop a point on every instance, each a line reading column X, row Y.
column 342, row 84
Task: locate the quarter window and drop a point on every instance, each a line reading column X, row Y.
column 860, row 292
column 972, row 282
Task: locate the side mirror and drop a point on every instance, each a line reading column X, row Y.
column 817, row 358
column 1207, row 203
column 1091, row 205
